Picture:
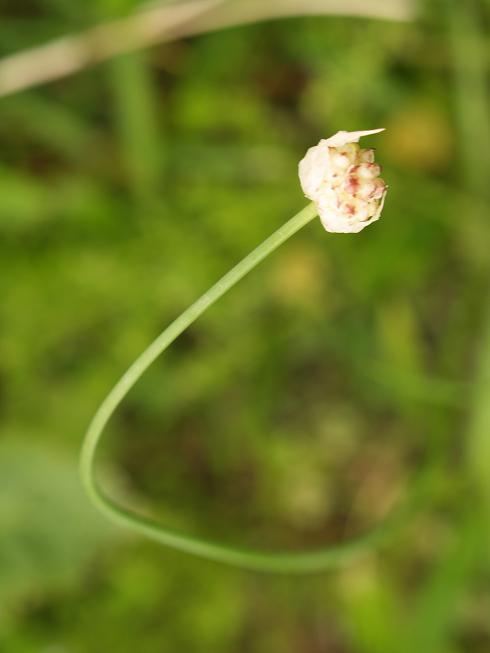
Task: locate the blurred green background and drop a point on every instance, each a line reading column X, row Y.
column 301, row 408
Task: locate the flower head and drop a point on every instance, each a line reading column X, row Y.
column 343, row 180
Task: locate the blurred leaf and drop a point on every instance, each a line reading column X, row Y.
column 50, row 532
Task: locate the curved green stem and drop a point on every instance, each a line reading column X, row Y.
column 264, row 561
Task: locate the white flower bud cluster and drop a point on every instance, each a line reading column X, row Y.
column 343, row 180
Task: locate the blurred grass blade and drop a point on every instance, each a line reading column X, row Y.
column 70, row 54
column 134, row 103
column 432, row 624
column 479, row 426
column 251, row 11
column 468, row 45
column 469, row 51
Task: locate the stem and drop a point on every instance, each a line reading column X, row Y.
column 160, row 24
column 264, row 561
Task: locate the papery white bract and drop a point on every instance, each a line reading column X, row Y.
column 343, row 181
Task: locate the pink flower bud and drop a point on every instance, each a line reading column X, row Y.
column 380, row 189
column 343, row 180
column 366, row 189
column 368, row 170
column 367, row 156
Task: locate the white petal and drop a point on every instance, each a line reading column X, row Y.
column 336, row 222
column 342, row 138
column 314, row 168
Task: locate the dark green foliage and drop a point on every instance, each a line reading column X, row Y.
column 299, row 409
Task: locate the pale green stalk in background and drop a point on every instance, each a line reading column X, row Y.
column 469, row 50
column 163, row 23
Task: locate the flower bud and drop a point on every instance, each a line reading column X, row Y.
column 343, row 180
column 367, row 156
column 368, row 170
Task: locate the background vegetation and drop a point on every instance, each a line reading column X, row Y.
column 303, row 406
